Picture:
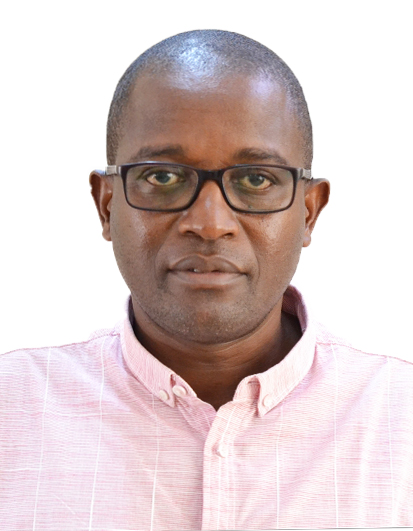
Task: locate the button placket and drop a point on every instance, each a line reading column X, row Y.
column 218, row 495
column 222, row 450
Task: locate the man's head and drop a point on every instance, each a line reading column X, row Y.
column 208, row 99
column 209, row 56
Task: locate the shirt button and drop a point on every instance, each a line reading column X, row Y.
column 163, row 395
column 222, row 450
column 268, row 401
column 178, row 390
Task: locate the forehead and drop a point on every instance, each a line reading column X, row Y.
column 210, row 118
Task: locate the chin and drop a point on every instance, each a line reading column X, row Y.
column 215, row 327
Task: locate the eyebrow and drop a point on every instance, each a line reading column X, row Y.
column 151, row 152
column 176, row 150
column 260, row 155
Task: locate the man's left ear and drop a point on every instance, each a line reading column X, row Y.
column 316, row 197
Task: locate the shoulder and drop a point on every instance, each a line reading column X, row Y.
column 324, row 338
column 21, row 366
column 96, row 336
column 68, row 381
column 354, row 367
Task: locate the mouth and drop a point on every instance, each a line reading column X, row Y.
column 206, row 280
column 206, row 272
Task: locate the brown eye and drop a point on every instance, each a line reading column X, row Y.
column 255, row 181
column 163, row 178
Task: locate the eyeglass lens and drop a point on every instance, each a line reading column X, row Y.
column 169, row 187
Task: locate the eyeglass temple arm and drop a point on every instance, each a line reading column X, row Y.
column 111, row 170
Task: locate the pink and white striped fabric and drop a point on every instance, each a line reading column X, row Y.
column 101, row 436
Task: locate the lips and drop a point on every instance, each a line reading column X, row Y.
column 201, row 264
column 200, row 272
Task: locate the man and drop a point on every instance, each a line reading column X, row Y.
column 218, row 403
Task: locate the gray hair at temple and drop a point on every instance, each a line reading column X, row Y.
column 214, row 53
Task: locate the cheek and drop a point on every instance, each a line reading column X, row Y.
column 134, row 236
column 279, row 243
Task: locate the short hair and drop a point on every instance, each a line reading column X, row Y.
column 220, row 53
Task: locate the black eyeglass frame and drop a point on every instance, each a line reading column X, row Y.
column 209, row 175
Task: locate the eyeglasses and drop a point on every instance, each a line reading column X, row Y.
column 165, row 187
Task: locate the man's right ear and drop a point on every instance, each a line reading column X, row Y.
column 102, row 191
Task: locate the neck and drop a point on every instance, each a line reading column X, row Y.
column 214, row 370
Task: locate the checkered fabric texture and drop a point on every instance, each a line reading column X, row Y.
column 101, row 436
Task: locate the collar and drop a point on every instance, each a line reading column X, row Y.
column 268, row 388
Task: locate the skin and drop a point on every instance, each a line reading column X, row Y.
column 213, row 329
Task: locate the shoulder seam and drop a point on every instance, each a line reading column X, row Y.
column 363, row 351
column 112, row 333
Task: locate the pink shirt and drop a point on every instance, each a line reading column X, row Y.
column 101, row 436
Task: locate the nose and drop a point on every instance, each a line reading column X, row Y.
column 210, row 217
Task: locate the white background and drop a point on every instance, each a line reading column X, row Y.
column 61, row 62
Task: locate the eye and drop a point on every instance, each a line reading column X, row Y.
column 255, row 181
column 163, row 178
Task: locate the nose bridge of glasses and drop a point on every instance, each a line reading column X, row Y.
column 209, row 214
column 210, row 175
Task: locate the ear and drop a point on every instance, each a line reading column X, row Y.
column 316, row 197
column 102, row 191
